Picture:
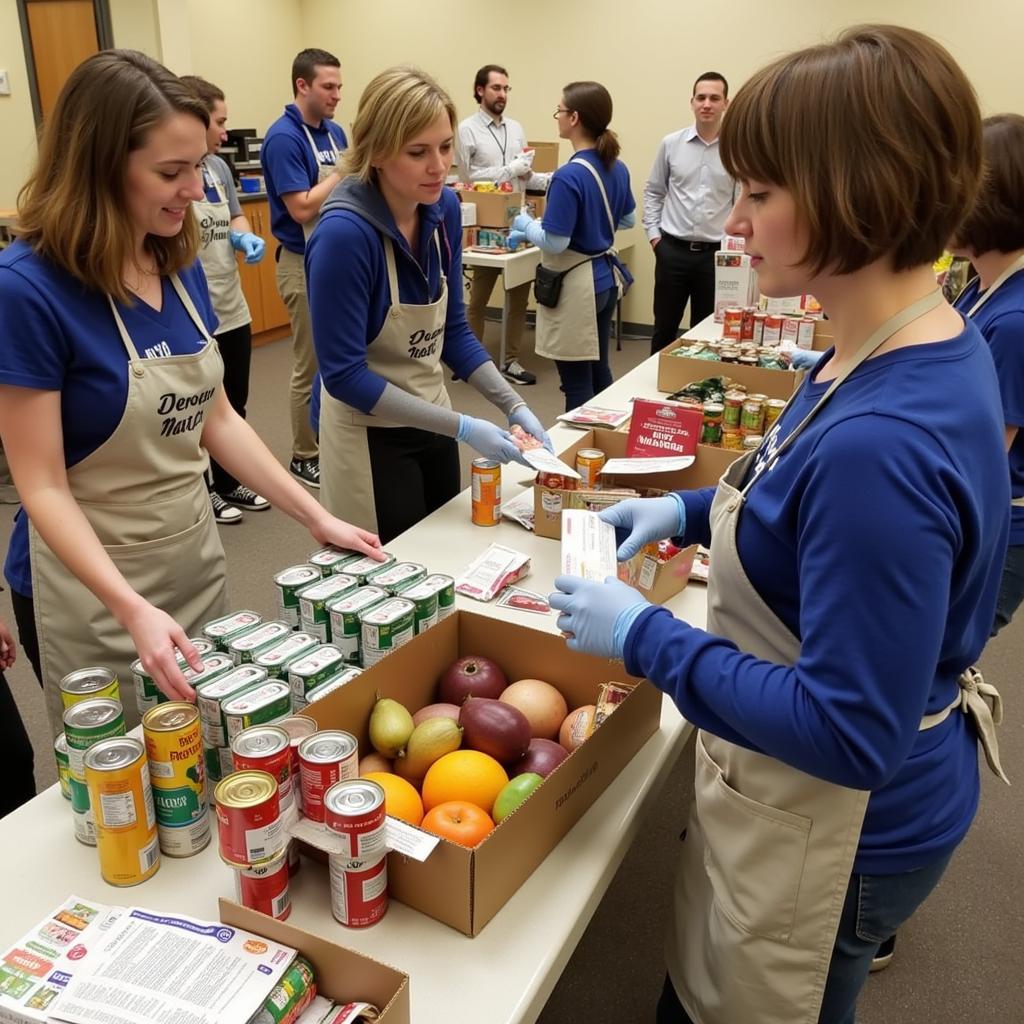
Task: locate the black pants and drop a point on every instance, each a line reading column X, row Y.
column 16, row 759
column 236, row 351
column 414, row 473
column 681, row 275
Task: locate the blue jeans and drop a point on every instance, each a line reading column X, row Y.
column 1011, row 587
column 581, row 380
column 876, row 906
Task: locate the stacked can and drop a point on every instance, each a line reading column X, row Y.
column 267, row 748
column 289, row 582
column 244, row 647
column 253, row 840
column 397, row 576
column 211, row 697
column 713, row 415
column 344, row 612
column 177, row 774
column 424, row 600
column 354, row 811
column 364, row 568
column 87, row 683
column 220, row 631
column 147, row 693
column 85, row 724
column 122, row 802
column 445, row 589
column 265, row 704
column 313, row 615
column 311, row 670
column 326, row 757
column 60, row 755
column 384, row 628
column 274, row 660
column 329, row 559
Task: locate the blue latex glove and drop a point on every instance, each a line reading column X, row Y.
column 515, row 239
column 524, row 418
column 522, row 222
column 598, row 615
column 250, row 245
column 638, row 521
column 804, row 358
column 488, row 439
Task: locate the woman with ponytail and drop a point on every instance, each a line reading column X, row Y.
column 589, row 199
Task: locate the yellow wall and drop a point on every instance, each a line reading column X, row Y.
column 17, row 128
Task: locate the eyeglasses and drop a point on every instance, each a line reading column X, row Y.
column 500, row 88
column 560, row 110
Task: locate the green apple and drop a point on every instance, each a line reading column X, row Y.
column 513, row 793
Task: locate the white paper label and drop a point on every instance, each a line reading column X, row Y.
column 543, row 461
column 668, row 464
column 588, row 546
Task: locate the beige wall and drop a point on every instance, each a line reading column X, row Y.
column 17, row 128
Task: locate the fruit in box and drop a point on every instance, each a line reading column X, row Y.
column 390, row 727
column 471, row 676
column 513, row 793
column 429, row 742
column 400, row 797
column 494, row 728
column 543, row 705
column 464, row 775
column 436, row 711
column 374, row 763
column 576, row 727
column 460, row 821
column 542, row 757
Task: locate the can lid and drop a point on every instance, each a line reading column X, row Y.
column 117, row 752
column 297, row 574
column 260, row 741
column 89, row 714
column 298, row 727
column 590, row 453
column 327, row 745
column 247, row 788
column 354, row 796
column 486, row 464
column 87, row 680
column 176, row 714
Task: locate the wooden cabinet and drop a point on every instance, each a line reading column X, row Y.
column 269, row 315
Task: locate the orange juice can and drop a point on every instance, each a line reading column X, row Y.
column 589, row 462
column 486, row 489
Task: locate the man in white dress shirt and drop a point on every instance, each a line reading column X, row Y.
column 492, row 147
column 687, row 199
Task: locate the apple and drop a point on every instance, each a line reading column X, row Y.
column 542, row 757
column 494, row 728
column 513, row 793
column 471, row 676
column 436, row 711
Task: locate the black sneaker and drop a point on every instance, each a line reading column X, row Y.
column 225, row 514
column 514, row 372
column 306, row 470
column 886, row 951
column 243, row 497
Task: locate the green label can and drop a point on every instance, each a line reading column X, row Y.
column 365, row 567
column 344, row 612
column 393, row 578
column 329, row 686
column 214, row 665
column 424, row 598
column 313, row 615
column 289, row 582
column 212, row 695
column 385, row 628
column 147, row 693
column 265, row 705
column 329, row 559
column 85, row 683
column 444, row 586
column 245, row 647
column 60, row 754
column 86, row 723
column 221, row 630
column 312, row 669
column 276, row 658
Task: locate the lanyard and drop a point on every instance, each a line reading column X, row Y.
column 502, row 145
column 1017, row 264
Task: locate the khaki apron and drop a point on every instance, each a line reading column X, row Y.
column 568, row 331
column 769, row 850
column 324, row 171
column 144, row 495
column 218, row 258
column 406, row 353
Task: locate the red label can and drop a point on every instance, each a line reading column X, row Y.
column 249, row 818
column 732, row 322
column 747, row 324
column 485, row 485
column 325, row 758
column 267, row 749
column 354, row 809
column 265, row 888
column 298, row 728
column 359, row 891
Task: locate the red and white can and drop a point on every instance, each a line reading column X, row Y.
column 354, row 809
column 266, row 748
column 249, row 818
column 298, row 728
column 772, row 329
column 359, row 891
column 732, row 322
column 325, row 758
column 264, row 888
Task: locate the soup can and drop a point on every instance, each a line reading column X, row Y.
column 84, row 683
column 289, row 582
column 326, row 757
column 359, row 891
column 249, row 822
column 266, row 748
column 298, row 728
column 486, row 492
column 264, row 887
column 354, row 810
column 60, row 755
column 589, row 463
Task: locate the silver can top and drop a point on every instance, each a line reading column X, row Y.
column 91, row 714
column 87, row 680
column 328, row 746
column 353, row 797
column 110, row 755
column 260, row 741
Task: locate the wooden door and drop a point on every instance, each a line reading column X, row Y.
column 252, row 289
column 275, row 314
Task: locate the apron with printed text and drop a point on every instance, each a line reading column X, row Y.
column 144, row 495
column 218, row 258
column 769, row 850
column 324, row 171
column 406, row 353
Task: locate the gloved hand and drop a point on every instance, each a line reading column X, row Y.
column 488, row 439
column 522, row 165
column 638, row 521
column 522, row 222
column 804, row 358
column 598, row 615
column 250, row 245
column 515, row 239
column 521, row 414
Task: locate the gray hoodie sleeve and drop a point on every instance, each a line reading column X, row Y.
column 490, row 383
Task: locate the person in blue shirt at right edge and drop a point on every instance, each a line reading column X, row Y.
column 855, row 556
column 589, row 199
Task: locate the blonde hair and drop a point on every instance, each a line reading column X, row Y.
column 395, row 107
column 73, row 208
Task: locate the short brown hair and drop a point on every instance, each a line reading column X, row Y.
column 206, row 91
column 72, row 209
column 593, row 103
column 483, row 79
column 996, row 221
column 305, row 64
column 878, row 138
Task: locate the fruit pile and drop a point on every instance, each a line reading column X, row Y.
column 460, row 766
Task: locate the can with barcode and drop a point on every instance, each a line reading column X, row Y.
column 86, row 683
column 267, row 748
column 354, row 811
column 326, row 757
column 384, row 629
column 589, row 463
column 122, row 806
column 445, row 588
column 359, row 891
column 264, row 888
column 346, row 633
column 249, row 823
column 424, row 599
column 486, row 492
column 313, row 615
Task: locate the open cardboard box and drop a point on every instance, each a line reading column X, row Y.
column 465, row 888
column 494, row 209
column 545, row 156
column 342, row 974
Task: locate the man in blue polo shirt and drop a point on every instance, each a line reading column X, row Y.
column 300, row 163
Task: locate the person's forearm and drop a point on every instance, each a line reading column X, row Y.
column 304, row 206
column 241, row 223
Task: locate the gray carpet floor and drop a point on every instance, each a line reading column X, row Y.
column 960, row 959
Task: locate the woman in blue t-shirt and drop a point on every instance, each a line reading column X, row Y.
column 589, row 199
column 110, row 388
column 855, row 555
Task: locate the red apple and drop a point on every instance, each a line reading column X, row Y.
column 494, row 728
column 471, row 676
column 542, row 756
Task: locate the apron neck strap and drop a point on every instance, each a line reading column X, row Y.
column 389, row 259
column 186, row 301
column 1017, row 264
column 215, row 183
column 312, row 144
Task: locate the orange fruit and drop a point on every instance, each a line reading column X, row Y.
column 460, row 821
column 400, row 797
column 465, row 775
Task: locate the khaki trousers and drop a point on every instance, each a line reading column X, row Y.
column 484, row 279
column 291, row 286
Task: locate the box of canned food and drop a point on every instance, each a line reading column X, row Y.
column 314, row 668
column 263, row 705
column 275, row 659
column 344, row 612
column 289, row 582
column 393, row 578
column 245, row 647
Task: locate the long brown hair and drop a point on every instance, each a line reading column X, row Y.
column 593, row 103
column 72, row 209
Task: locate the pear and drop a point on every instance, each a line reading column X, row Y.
column 391, row 726
column 430, row 740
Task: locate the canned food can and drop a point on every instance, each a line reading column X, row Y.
column 264, row 705
column 354, row 810
column 313, row 602
column 84, row 683
column 711, row 425
column 424, row 599
column 331, row 559
column 216, row 664
column 122, row 803
column 589, row 463
column 747, row 324
column 326, row 757
column 174, row 751
column 268, row 749
column 336, row 682
column 147, row 693
column 385, row 628
column 275, row 659
column 249, row 823
column 60, row 755
column 556, row 481
column 290, row 997
column 732, row 322
column 732, row 409
column 245, row 647
column 805, row 332
column 264, row 888
column 759, row 322
column 772, row 410
column 289, row 582
column 312, row 669
column 790, row 328
column 364, row 568
column 212, row 695
column 220, row 631
column 359, row 892
column 732, row 440
column 84, row 823
column 751, row 442
column 752, row 416
column 485, row 481
column 86, row 723
column 445, row 587
column 298, row 728
column 344, row 612
column 396, row 577
column 772, row 329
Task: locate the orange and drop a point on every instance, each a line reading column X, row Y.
column 464, row 775
column 460, row 821
column 400, row 797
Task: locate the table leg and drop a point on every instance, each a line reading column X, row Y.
column 504, row 326
column 618, row 326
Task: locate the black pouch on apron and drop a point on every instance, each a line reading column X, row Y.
column 547, row 285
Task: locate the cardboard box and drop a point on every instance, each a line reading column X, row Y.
column 545, row 157
column 494, row 209
column 465, row 888
column 675, row 372
column 535, row 204
column 341, row 974
column 735, row 281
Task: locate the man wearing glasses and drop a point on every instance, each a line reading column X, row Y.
column 687, row 199
column 492, row 147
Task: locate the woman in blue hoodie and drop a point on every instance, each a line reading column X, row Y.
column 385, row 318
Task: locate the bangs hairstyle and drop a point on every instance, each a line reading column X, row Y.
column 878, row 138
column 996, row 221
column 73, row 208
column 395, row 107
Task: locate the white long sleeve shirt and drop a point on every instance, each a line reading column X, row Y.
column 485, row 148
column 689, row 193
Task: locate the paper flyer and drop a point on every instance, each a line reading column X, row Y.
column 641, row 464
column 544, row 462
column 588, row 546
